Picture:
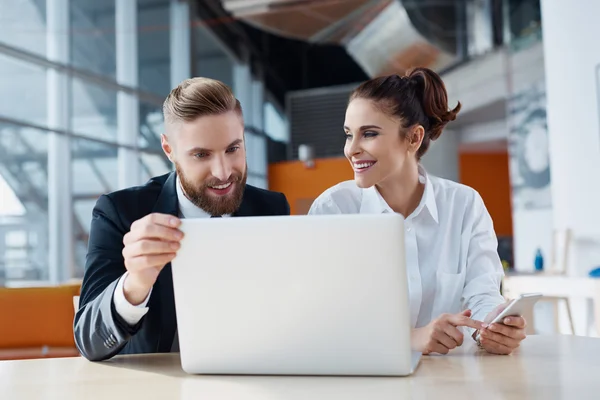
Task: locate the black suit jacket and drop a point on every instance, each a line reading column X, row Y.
column 100, row 332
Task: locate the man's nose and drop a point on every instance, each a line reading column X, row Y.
column 221, row 169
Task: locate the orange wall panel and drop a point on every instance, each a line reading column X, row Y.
column 303, row 185
column 488, row 174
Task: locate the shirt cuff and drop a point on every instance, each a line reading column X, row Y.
column 130, row 313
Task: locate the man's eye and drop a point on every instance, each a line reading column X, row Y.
column 233, row 149
column 200, row 155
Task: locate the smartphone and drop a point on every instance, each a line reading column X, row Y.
column 517, row 307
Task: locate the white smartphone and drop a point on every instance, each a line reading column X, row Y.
column 517, row 307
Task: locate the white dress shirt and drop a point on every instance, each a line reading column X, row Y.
column 133, row 314
column 451, row 248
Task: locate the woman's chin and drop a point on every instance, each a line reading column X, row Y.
column 362, row 182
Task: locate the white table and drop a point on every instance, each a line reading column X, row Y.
column 545, row 367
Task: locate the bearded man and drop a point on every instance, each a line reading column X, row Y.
column 127, row 303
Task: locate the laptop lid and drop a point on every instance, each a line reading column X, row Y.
column 307, row 295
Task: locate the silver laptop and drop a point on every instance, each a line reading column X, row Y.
column 294, row 295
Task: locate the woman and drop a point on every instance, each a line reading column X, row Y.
column 453, row 267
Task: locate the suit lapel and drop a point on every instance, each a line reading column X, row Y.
column 167, row 204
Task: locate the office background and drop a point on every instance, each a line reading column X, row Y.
column 83, row 81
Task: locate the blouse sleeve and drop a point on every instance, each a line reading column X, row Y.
column 484, row 272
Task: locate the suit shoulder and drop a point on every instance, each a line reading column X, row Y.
column 138, row 200
column 153, row 186
column 257, row 192
column 264, row 198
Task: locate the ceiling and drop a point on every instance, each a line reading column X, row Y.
column 308, row 43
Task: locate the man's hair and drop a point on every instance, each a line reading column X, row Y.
column 198, row 97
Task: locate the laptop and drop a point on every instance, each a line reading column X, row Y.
column 294, row 295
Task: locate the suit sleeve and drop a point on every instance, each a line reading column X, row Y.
column 99, row 331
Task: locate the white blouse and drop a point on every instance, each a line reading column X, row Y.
column 451, row 247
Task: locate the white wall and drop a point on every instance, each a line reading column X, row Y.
column 493, row 77
column 442, row 157
column 573, row 89
column 487, row 82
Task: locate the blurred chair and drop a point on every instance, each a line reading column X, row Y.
column 37, row 322
column 556, row 267
column 559, row 259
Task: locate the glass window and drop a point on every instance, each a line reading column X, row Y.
column 275, row 123
column 151, row 127
column 95, row 172
column 93, row 45
column 23, row 25
column 24, row 177
column 154, row 46
column 211, row 60
column 256, row 153
column 94, row 110
column 22, row 84
column 152, row 165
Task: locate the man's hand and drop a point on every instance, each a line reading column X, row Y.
column 151, row 243
column 442, row 334
column 503, row 337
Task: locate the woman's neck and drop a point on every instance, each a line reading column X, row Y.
column 403, row 192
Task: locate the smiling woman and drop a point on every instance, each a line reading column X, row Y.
column 450, row 246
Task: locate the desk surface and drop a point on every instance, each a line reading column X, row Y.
column 545, row 367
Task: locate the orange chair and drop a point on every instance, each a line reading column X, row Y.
column 37, row 322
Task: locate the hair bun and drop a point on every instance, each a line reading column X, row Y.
column 433, row 98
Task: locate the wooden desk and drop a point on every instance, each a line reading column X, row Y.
column 545, row 367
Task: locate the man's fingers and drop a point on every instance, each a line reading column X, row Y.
column 461, row 320
column 154, row 231
column 455, row 334
column 148, row 247
column 146, row 261
column 517, row 322
column 500, row 338
column 491, row 346
column 143, row 226
column 162, row 219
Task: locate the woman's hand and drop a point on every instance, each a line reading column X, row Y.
column 442, row 334
column 505, row 337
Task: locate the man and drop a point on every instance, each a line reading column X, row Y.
column 126, row 303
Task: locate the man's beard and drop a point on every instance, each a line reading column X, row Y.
column 213, row 204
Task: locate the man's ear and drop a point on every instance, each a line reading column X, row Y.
column 166, row 146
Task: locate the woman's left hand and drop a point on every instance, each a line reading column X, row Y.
column 502, row 337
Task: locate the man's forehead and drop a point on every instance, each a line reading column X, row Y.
column 209, row 132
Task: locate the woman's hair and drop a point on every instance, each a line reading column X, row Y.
column 418, row 97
